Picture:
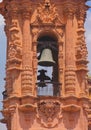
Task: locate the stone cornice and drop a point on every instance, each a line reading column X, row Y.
column 14, row 7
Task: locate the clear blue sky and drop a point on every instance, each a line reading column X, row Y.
column 3, row 53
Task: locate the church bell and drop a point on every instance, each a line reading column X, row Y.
column 46, row 58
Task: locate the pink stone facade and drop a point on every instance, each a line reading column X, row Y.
column 26, row 23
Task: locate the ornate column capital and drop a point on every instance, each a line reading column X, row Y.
column 26, row 14
column 14, row 13
column 81, row 12
column 69, row 11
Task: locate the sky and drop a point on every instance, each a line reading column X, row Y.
column 3, row 53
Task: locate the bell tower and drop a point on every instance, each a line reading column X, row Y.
column 46, row 67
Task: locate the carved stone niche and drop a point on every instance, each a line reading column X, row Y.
column 49, row 113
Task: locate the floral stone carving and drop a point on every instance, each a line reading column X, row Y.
column 49, row 113
column 47, row 13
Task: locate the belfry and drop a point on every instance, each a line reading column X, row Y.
column 46, row 85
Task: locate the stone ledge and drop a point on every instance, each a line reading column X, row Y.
column 71, row 108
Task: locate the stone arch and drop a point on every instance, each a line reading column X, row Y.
column 49, row 39
column 48, row 33
column 51, row 33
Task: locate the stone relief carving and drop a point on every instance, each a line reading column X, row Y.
column 81, row 58
column 14, row 31
column 14, row 47
column 81, row 49
column 49, row 113
column 47, row 13
column 12, row 51
column 15, row 41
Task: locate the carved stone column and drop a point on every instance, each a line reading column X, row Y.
column 13, row 65
column 69, row 56
column 27, row 73
column 81, row 52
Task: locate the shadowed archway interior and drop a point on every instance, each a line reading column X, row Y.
column 47, row 50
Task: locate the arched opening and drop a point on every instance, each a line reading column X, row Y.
column 47, row 77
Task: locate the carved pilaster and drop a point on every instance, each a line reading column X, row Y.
column 70, row 55
column 27, row 57
column 81, row 52
column 69, row 11
column 81, row 49
column 14, row 49
column 14, row 40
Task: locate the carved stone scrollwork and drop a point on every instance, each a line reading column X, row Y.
column 69, row 11
column 81, row 55
column 14, row 47
column 12, row 51
column 14, row 56
column 47, row 13
column 49, row 113
column 14, row 32
column 81, row 49
column 81, row 12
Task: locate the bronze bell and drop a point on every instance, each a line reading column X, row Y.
column 46, row 58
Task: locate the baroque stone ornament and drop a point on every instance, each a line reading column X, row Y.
column 32, row 26
column 49, row 113
column 47, row 13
